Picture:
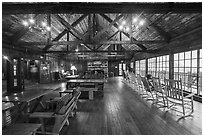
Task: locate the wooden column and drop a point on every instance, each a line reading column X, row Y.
column 10, row 76
column 19, row 75
column 49, row 32
column 171, row 65
column 146, row 66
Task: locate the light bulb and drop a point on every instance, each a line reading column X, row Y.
column 135, row 19
column 142, row 22
column 32, row 21
column 120, row 27
column 25, row 23
column 44, row 24
column 127, row 29
column 5, row 57
column 48, row 28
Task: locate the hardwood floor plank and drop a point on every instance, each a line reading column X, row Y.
column 122, row 112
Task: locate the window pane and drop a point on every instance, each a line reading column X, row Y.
column 200, row 63
column 181, row 63
column 181, row 55
column 194, row 62
column 188, row 55
column 181, row 70
column 187, row 70
column 194, row 70
column 187, row 63
column 176, row 64
column 194, row 54
column 176, row 56
column 175, row 69
column 200, row 53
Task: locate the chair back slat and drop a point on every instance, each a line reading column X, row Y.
column 156, row 84
column 139, row 81
column 146, row 84
column 173, row 89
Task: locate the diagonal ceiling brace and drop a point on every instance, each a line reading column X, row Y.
column 68, row 26
column 108, row 39
column 58, row 37
column 85, row 45
column 126, row 34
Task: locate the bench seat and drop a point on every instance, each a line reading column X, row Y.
column 64, row 107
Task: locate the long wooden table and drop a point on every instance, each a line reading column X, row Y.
column 89, row 85
column 22, row 100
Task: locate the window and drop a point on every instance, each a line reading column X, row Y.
column 187, row 67
column 152, row 66
column 140, row 67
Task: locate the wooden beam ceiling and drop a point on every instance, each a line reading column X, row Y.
column 68, row 26
column 98, row 51
column 108, row 39
column 82, row 42
column 126, row 34
column 108, row 27
column 58, row 37
column 19, row 34
column 88, row 7
column 160, row 31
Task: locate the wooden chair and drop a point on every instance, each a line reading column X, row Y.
column 175, row 98
column 160, row 95
column 65, row 107
column 149, row 94
column 140, row 86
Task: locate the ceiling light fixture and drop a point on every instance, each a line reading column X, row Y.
column 31, row 20
column 48, row 28
column 5, row 57
column 142, row 22
column 135, row 20
column 25, row 23
column 44, row 24
column 120, row 27
column 123, row 22
column 127, row 29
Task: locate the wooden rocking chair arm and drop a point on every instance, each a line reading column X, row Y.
column 190, row 95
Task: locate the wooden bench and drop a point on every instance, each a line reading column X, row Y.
column 65, row 107
column 10, row 128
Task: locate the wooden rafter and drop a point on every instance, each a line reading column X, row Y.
column 85, row 45
column 58, row 37
column 160, row 31
column 108, row 39
column 126, row 34
column 71, row 7
column 108, row 27
column 82, row 42
column 68, row 26
column 99, row 51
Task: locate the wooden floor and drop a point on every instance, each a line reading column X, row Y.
column 122, row 112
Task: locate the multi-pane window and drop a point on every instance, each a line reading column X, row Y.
column 159, row 67
column 140, row 67
column 162, row 67
column 152, row 66
column 122, row 66
column 131, row 65
column 143, row 67
column 187, row 67
column 137, row 67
